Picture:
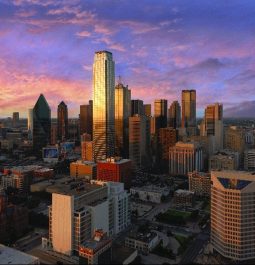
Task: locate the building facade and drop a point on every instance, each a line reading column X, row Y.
column 62, row 121
column 174, row 115
column 200, row 183
column 160, row 113
column 86, row 118
column 188, row 108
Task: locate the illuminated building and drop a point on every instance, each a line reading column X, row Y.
column 30, row 124
column 200, row 183
column 86, row 118
column 189, row 111
column 174, row 115
column 122, row 113
column 41, row 123
column 160, row 113
column 62, row 121
column 137, row 107
column 232, row 214
column 87, row 151
column 147, row 110
column 83, row 169
column 213, row 124
column 103, row 105
column 185, row 157
column 115, row 169
column 139, row 141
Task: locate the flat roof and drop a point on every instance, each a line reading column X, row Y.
column 12, row 256
column 234, row 174
column 142, row 237
column 115, row 161
column 186, row 192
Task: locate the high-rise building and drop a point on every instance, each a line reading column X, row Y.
column 174, row 115
column 160, row 113
column 200, row 183
column 15, row 119
column 147, row 110
column 87, row 151
column 115, row 169
column 139, row 141
column 249, row 159
column 185, row 157
column 30, row 124
column 224, row 160
column 122, row 113
column 232, row 214
column 137, row 107
column 213, row 124
column 86, row 118
column 103, row 105
column 53, row 133
column 41, row 123
column 62, row 121
column 189, row 108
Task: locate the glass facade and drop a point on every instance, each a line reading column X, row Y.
column 188, row 108
column 103, row 105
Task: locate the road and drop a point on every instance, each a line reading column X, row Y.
column 194, row 248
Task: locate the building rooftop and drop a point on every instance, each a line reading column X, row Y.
column 143, row 237
column 115, row 160
column 82, row 162
column 234, row 174
column 151, row 188
column 13, row 256
column 184, row 192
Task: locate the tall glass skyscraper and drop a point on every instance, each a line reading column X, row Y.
column 30, row 124
column 160, row 113
column 41, row 123
column 62, row 121
column 103, row 105
column 188, row 108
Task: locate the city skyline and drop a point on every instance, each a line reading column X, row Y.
column 160, row 48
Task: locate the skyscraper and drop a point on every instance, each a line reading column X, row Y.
column 122, row 113
column 137, row 107
column 30, row 124
column 86, row 116
column 41, row 123
column 15, row 119
column 103, row 105
column 160, row 113
column 62, row 121
column 213, row 124
column 174, row 115
column 188, row 108
column 147, row 109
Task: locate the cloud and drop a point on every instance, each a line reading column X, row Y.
column 83, row 34
column 245, row 109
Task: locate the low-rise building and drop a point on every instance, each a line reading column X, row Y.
column 143, row 243
column 83, row 169
column 184, row 198
column 249, row 160
column 150, row 193
column 200, row 183
column 224, row 160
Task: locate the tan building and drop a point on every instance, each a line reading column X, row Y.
column 147, row 110
column 87, row 151
column 189, row 108
column 225, row 160
column 174, row 115
column 83, row 169
column 232, row 214
column 139, row 141
column 184, row 198
column 53, row 134
column 185, row 157
column 200, row 183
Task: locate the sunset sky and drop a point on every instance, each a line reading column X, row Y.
column 159, row 48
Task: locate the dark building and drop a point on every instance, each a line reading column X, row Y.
column 137, row 107
column 62, row 121
column 147, row 110
column 160, row 113
column 86, row 118
column 15, row 119
column 41, row 123
column 174, row 115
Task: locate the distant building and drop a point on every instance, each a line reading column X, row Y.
column 200, row 183
column 97, row 250
column 184, row 198
column 139, row 141
column 73, row 130
column 174, row 115
column 86, row 118
column 15, row 119
column 103, row 105
column 189, row 108
column 147, row 110
column 160, row 113
column 41, row 123
column 232, row 214
column 83, row 169
column 185, row 157
column 87, row 151
column 137, row 107
column 249, row 160
column 122, row 113
column 30, row 122
column 224, row 160
column 115, row 169
column 53, row 134
column 62, row 121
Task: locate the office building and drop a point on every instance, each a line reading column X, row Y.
column 30, row 124
column 86, row 118
column 213, row 124
column 53, row 134
column 83, row 169
column 232, row 214
column 224, row 160
column 147, row 110
column 137, row 107
column 115, row 169
column 97, row 250
column 103, row 105
column 139, row 141
column 87, row 151
column 41, row 123
column 160, row 113
column 184, row 198
column 249, row 160
column 200, row 183
column 73, row 130
column 185, row 157
column 174, row 115
column 189, row 111
column 62, row 121
column 15, row 119
column 122, row 113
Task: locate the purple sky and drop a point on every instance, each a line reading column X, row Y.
column 159, row 48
